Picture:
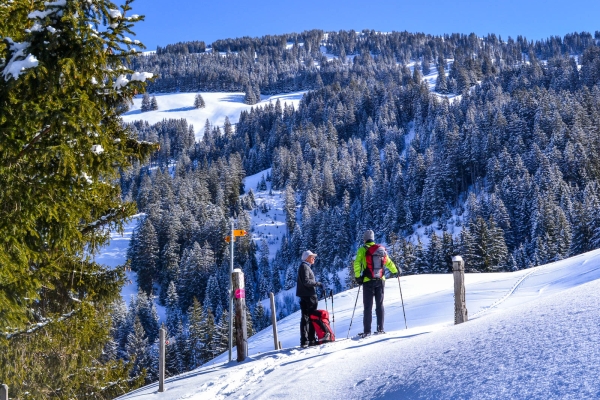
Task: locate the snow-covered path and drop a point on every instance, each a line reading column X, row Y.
column 540, row 340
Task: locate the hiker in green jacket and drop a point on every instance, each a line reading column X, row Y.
column 369, row 264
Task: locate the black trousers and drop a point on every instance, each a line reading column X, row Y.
column 308, row 306
column 373, row 288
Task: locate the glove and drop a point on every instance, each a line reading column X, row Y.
column 359, row 280
column 319, row 284
column 393, row 275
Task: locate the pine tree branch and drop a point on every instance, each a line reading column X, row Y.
column 27, row 148
column 113, row 215
column 38, row 326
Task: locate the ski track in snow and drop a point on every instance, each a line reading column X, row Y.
column 510, row 292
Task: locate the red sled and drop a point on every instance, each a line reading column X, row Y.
column 320, row 321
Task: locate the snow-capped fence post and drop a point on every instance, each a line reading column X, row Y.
column 241, row 334
column 3, row 392
column 274, row 321
column 161, row 359
column 460, row 305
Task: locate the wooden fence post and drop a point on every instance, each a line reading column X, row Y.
column 274, row 322
column 241, row 333
column 3, row 392
column 161, row 359
column 460, row 305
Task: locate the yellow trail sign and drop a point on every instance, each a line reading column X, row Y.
column 236, row 233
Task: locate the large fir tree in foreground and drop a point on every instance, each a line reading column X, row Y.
column 62, row 87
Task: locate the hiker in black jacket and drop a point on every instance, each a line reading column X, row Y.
column 305, row 289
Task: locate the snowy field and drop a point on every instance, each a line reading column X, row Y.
column 218, row 106
column 532, row 334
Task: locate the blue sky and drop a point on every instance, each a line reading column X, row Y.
column 184, row 20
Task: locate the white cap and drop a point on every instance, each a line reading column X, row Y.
column 307, row 254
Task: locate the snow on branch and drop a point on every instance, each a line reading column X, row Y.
column 112, row 215
column 115, row 13
column 97, row 149
column 39, row 325
column 20, row 61
column 141, row 76
column 51, row 8
column 122, row 81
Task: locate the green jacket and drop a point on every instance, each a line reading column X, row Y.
column 360, row 262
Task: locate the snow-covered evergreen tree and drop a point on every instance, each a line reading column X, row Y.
column 220, row 342
column 145, row 255
column 441, row 85
column 265, row 282
column 146, row 104
column 196, row 318
column 172, row 309
column 199, row 101
column 290, row 209
column 250, row 95
column 145, row 311
column 137, row 349
column 153, row 104
column 291, row 277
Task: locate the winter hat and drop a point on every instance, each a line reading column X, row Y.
column 307, row 254
column 368, row 236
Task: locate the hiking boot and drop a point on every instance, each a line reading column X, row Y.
column 364, row 335
column 313, row 343
column 380, row 332
column 304, row 345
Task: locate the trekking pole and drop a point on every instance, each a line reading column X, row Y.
column 332, row 312
column 357, row 293
column 404, row 312
column 325, row 297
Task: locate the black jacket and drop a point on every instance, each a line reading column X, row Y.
column 306, row 282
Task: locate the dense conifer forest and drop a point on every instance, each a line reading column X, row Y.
column 499, row 163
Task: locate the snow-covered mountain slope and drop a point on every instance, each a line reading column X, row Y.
column 218, row 106
column 532, row 334
column 115, row 254
column 269, row 225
